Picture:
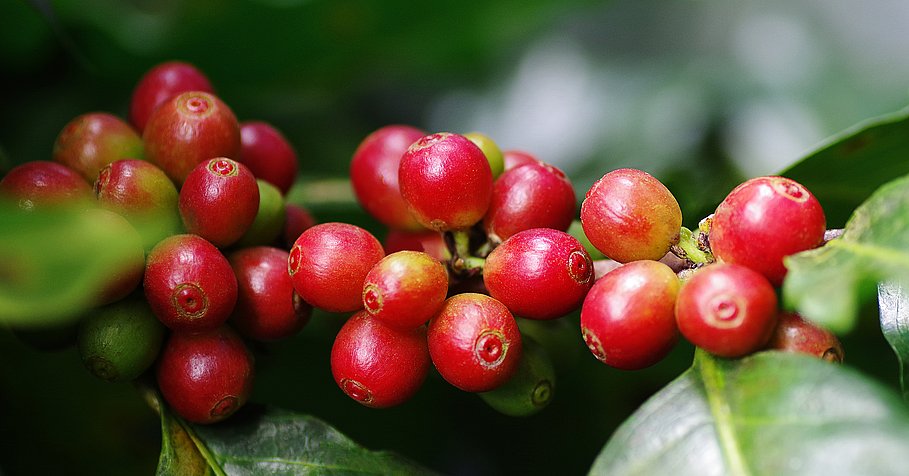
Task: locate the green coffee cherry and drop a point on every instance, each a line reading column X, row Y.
column 269, row 221
column 490, row 150
column 530, row 389
column 120, row 341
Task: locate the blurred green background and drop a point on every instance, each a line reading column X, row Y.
column 701, row 94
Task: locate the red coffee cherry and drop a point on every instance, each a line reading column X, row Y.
column 189, row 284
column 430, row 242
column 189, row 129
column 629, row 215
column 517, row 158
column 628, row 317
column 727, row 310
column 268, row 154
column 539, row 274
column 267, row 307
column 219, row 201
column 794, row 333
column 446, row 181
column 405, row 289
column 374, row 175
column 205, row 377
column 144, row 195
column 474, row 342
column 91, row 141
column 161, row 83
column 297, row 219
column 535, row 195
column 42, row 184
column 329, row 262
column 376, row 365
column 764, row 220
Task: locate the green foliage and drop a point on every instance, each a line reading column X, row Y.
column 260, row 440
column 829, row 284
column 770, row 413
column 854, row 163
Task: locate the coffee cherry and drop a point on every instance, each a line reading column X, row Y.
column 269, row 220
column 490, row 150
column 405, row 289
column 530, row 389
column 120, row 341
column 764, row 220
column 42, row 184
column 628, row 318
column 426, row 241
column 268, row 154
column 205, row 377
column 536, row 195
column 297, row 219
column 91, row 141
column 539, row 273
column 144, row 195
column 793, row 333
column 374, row 175
column 629, row 215
column 329, row 262
column 267, row 307
column 727, row 310
column 445, row 181
column 219, row 201
column 517, row 158
column 474, row 342
column 161, row 83
column 376, row 365
column 189, row 129
column 189, row 284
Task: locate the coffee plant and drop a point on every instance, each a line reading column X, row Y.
column 176, row 250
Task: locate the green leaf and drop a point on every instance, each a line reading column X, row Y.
column 266, row 441
column 893, row 302
column 829, row 284
column 853, row 164
column 770, row 413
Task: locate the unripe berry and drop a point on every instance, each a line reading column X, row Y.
column 629, row 215
column 93, row 140
column 405, row 289
column 764, row 220
column 120, row 341
column 445, row 181
column 539, row 273
column 205, row 377
column 376, row 365
column 491, row 150
column 727, row 310
column 474, row 342
column 531, row 388
column 628, row 317
column 329, row 262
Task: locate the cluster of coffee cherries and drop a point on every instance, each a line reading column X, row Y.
column 198, row 198
column 485, row 244
column 717, row 287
